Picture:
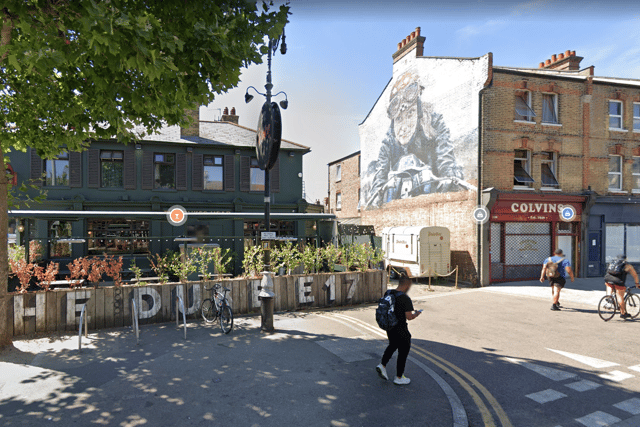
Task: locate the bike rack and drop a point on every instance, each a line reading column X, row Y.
column 83, row 319
column 134, row 320
column 180, row 303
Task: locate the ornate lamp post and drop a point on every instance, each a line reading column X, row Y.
column 267, row 148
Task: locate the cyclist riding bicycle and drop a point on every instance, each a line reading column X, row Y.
column 615, row 280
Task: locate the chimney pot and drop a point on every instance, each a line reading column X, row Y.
column 233, row 111
column 408, row 39
column 418, row 31
column 567, row 53
column 226, row 111
column 399, row 45
column 541, row 65
column 413, row 35
column 554, row 57
column 547, row 62
column 573, row 53
column 561, row 56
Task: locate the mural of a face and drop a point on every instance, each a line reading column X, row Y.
column 406, row 123
column 403, row 107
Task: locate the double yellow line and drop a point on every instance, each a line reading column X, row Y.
column 466, row 380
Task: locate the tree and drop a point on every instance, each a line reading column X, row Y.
column 76, row 70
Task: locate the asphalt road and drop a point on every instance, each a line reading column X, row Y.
column 491, row 357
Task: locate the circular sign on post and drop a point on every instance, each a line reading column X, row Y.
column 177, row 215
column 269, row 135
column 480, row 215
column 567, row 213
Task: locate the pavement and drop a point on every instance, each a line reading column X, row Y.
column 489, row 357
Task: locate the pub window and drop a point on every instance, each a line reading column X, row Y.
column 213, row 173
column 615, row 114
column 164, row 171
column 636, row 117
column 615, row 173
column 338, row 173
column 548, row 170
column 550, row 108
column 622, row 239
column 522, row 169
column 338, row 201
column 635, row 173
column 118, row 236
column 524, row 110
column 257, row 176
column 59, row 230
column 57, row 171
column 111, row 169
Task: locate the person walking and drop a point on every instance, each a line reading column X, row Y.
column 556, row 268
column 616, row 278
column 399, row 336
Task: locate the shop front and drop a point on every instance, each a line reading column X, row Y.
column 527, row 228
column 614, row 229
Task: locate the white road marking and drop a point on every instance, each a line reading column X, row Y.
column 598, row 419
column 616, row 376
column 635, row 368
column 551, row 373
column 586, row 360
column 631, row 406
column 584, row 385
column 546, row 396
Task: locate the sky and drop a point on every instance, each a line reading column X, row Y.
column 339, row 61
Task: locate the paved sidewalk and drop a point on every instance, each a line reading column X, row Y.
column 312, row 372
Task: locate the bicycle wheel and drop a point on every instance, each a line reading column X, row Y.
column 226, row 319
column 633, row 305
column 209, row 312
column 607, row 308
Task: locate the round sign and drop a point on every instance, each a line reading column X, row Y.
column 567, row 213
column 177, row 215
column 269, row 135
column 480, row 215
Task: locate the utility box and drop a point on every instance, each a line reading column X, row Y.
column 421, row 251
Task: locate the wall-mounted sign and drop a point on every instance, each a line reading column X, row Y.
column 568, row 213
column 269, row 135
column 532, row 208
column 268, row 235
column 177, row 215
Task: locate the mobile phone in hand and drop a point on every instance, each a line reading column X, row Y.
column 419, row 311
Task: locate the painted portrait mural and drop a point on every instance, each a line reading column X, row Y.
column 421, row 137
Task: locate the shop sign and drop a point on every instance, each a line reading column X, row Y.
column 514, row 210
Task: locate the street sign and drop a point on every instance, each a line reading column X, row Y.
column 177, row 215
column 567, row 213
column 268, row 235
column 269, row 135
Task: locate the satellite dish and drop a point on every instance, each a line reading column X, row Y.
column 269, row 135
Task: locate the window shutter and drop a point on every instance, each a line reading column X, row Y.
column 93, row 166
column 245, row 173
column 275, row 177
column 147, row 170
column 197, row 172
column 75, row 169
column 181, row 171
column 229, row 173
column 36, row 168
column 129, row 173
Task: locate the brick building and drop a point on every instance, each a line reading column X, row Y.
column 534, row 140
column 344, row 187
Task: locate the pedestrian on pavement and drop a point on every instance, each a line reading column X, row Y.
column 399, row 336
column 616, row 278
column 556, row 268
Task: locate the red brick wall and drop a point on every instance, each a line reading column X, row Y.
column 348, row 186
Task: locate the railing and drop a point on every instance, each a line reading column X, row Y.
column 134, row 320
column 180, row 304
column 83, row 320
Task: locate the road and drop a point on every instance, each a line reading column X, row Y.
column 481, row 357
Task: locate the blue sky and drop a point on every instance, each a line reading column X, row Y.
column 339, row 57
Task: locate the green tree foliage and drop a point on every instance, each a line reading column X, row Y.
column 76, row 70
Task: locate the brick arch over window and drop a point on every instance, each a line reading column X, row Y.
column 617, row 150
column 636, row 151
column 551, row 145
column 619, row 95
column 523, row 143
column 550, row 88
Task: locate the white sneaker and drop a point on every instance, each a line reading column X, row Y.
column 382, row 371
column 402, row 381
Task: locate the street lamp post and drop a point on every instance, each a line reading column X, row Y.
column 268, row 137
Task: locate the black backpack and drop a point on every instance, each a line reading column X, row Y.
column 385, row 313
column 616, row 267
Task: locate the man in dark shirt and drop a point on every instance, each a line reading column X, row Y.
column 399, row 336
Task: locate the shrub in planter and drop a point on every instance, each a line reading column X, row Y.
column 221, row 260
column 137, row 271
column 203, row 258
column 161, row 266
column 253, row 261
column 24, row 272
column 112, row 266
column 95, row 268
column 331, row 255
column 179, row 267
column 78, row 272
column 312, row 259
column 285, row 256
column 47, row 275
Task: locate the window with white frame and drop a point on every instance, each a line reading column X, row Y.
column 636, row 116
column 524, row 110
column 635, row 173
column 338, row 201
column 548, row 170
column 338, row 173
column 615, row 114
column 550, row 108
column 615, row 173
column 522, row 169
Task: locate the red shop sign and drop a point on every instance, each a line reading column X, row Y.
column 532, row 210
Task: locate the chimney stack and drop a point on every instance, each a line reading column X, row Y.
column 193, row 127
column 413, row 41
column 231, row 118
column 567, row 61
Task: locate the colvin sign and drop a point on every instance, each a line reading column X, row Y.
column 514, row 210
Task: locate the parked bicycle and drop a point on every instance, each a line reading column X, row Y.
column 609, row 305
column 218, row 307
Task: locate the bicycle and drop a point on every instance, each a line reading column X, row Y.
column 217, row 307
column 608, row 305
